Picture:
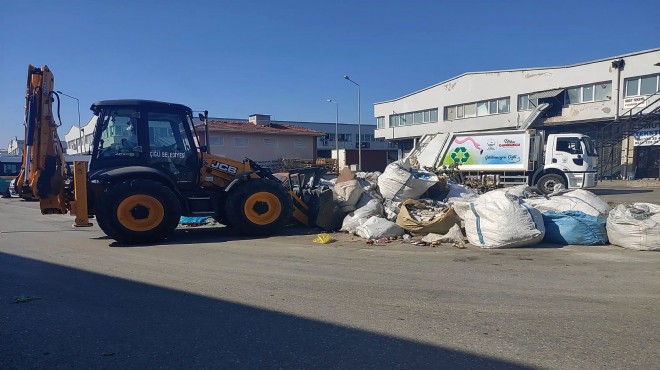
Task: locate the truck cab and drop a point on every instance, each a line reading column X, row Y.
column 570, row 156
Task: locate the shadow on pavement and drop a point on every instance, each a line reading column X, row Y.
column 602, row 191
column 89, row 320
column 214, row 234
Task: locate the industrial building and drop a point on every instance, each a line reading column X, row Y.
column 615, row 100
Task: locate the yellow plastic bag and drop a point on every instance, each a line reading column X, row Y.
column 323, row 238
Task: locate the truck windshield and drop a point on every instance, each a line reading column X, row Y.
column 589, row 147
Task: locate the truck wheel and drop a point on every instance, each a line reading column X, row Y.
column 546, row 183
column 138, row 211
column 259, row 207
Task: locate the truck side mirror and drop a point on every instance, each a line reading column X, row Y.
column 203, row 149
column 201, row 117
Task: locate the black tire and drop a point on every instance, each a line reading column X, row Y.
column 220, row 208
column 546, row 183
column 138, row 212
column 259, row 207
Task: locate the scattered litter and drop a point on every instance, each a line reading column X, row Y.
column 454, row 236
column 405, row 202
column 323, row 238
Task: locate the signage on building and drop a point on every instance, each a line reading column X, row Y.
column 648, row 136
column 634, row 101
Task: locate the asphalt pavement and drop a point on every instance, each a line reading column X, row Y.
column 72, row 298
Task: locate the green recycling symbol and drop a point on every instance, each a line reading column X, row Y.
column 460, row 155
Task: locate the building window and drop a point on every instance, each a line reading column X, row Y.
column 414, row 118
column 588, row 93
column 217, row 140
column 345, row 137
column 366, row 137
column 270, row 143
column 380, row 122
column 477, row 109
column 644, row 85
column 329, row 137
column 300, row 143
column 241, row 142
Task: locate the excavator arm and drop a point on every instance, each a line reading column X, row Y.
column 43, row 174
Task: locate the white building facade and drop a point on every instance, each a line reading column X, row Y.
column 79, row 140
column 585, row 97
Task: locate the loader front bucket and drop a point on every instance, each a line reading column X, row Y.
column 313, row 205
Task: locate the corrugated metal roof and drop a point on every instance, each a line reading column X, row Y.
column 546, row 94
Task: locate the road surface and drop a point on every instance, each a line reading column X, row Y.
column 210, row 299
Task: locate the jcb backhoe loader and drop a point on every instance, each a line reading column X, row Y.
column 147, row 170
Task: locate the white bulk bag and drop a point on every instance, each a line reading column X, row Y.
column 573, row 200
column 347, row 194
column 635, row 226
column 378, row 227
column 361, row 215
column 500, row 220
column 399, row 182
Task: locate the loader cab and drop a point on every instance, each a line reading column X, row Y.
column 142, row 135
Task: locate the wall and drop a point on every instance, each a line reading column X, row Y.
column 257, row 150
column 479, row 86
column 73, row 137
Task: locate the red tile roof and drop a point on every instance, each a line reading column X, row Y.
column 273, row 129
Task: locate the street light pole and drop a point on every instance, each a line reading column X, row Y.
column 359, row 125
column 79, row 129
column 336, row 129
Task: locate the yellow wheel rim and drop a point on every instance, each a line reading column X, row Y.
column 262, row 208
column 140, row 212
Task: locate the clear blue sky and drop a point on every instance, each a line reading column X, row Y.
column 285, row 58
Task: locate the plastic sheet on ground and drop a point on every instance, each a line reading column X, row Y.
column 194, row 221
column 426, row 216
column 574, row 227
column 378, row 227
column 399, row 182
column 635, row 226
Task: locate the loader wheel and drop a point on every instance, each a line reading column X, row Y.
column 138, row 211
column 546, row 183
column 259, row 207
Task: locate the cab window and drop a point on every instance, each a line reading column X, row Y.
column 570, row 145
column 118, row 136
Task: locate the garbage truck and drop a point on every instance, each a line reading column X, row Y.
column 510, row 157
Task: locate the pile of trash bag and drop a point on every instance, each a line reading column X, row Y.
column 421, row 208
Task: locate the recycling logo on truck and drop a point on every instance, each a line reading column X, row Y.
column 460, row 155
